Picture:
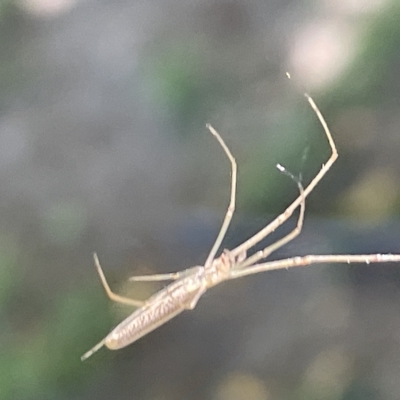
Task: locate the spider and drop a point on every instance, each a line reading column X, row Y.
column 189, row 285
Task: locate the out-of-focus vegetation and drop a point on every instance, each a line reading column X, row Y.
column 103, row 147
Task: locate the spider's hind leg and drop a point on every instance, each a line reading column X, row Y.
column 113, row 296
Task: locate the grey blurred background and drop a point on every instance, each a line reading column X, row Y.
column 103, row 147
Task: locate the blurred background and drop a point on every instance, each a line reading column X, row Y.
column 103, row 147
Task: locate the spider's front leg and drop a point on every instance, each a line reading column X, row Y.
column 232, row 201
column 259, row 255
column 228, row 257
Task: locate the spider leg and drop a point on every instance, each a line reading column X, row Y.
column 314, row 259
column 286, row 239
column 113, row 296
column 172, row 276
column 156, row 277
column 231, row 207
column 278, row 221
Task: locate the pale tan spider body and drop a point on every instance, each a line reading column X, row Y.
column 178, row 296
column 182, row 294
column 189, row 285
